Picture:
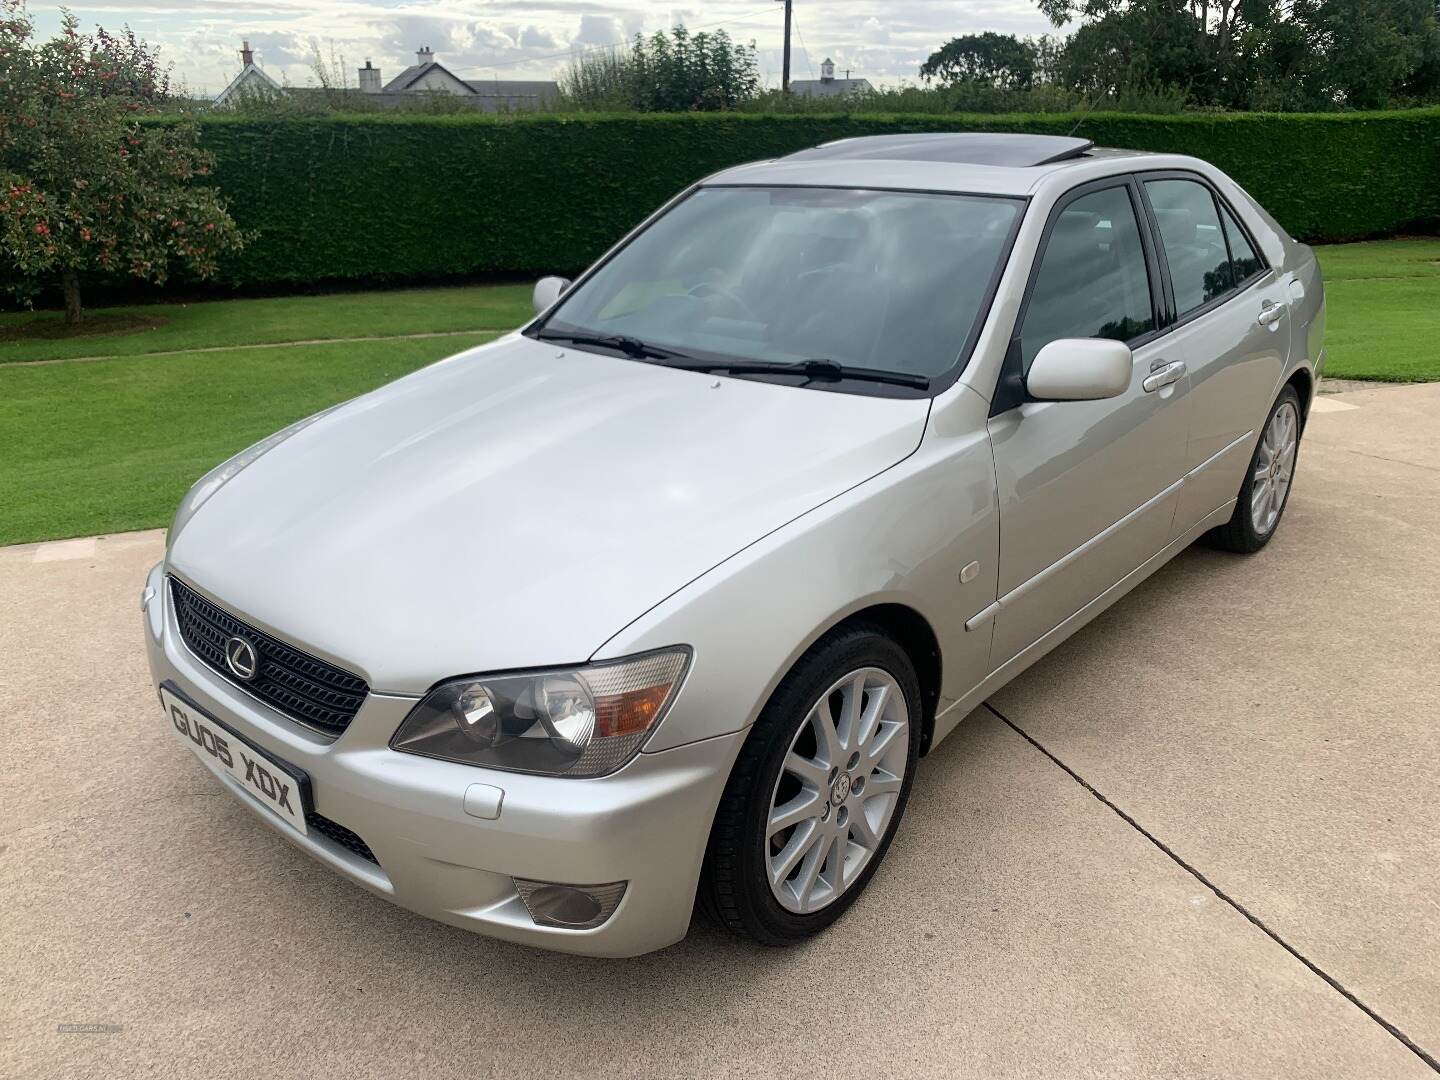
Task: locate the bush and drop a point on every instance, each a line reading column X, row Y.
column 404, row 197
column 674, row 72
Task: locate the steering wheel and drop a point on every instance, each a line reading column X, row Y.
column 703, row 289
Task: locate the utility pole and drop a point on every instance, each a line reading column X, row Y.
column 785, row 73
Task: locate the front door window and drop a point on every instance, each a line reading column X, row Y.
column 1092, row 280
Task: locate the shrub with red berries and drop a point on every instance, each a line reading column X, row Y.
column 86, row 192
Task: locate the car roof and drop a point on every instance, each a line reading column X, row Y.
column 961, row 148
column 980, row 163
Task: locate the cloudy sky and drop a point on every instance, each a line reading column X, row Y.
column 882, row 40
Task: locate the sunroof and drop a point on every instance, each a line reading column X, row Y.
column 963, row 148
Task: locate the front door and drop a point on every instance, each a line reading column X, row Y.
column 1087, row 488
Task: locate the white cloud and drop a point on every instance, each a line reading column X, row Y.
column 598, row 30
column 882, row 40
column 534, row 37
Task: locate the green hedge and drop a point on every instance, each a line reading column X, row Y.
column 390, row 197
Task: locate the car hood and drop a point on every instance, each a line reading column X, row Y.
column 518, row 504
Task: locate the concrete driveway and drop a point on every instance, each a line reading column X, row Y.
column 1201, row 839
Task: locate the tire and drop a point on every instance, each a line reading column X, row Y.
column 854, row 663
column 1249, row 529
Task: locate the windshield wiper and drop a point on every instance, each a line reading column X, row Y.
column 811, row 369
column 630, row 346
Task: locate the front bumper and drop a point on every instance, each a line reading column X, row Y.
column 647, row 824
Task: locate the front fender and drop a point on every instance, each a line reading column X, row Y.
column 901, row 537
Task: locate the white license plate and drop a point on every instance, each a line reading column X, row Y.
column 278, row 787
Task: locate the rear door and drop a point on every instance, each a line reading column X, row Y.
column 1231, row 326
column 1087, row 488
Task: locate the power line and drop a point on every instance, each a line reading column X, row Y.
column 805, row 49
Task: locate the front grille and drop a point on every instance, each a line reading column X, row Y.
column 341, row 835
column 308, row 690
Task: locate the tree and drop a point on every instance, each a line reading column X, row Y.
column 1141, row 47
column 999, row 60
column 675, row 72
column 1242, row 54
column 1153, row 45
column 1376, row 52
column 86, row 191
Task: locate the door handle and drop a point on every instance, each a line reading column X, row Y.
column 1163, row 375
column 1270, row 313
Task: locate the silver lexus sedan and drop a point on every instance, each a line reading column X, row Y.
column 659, row 599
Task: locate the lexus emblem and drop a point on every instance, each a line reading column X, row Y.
column 241, row 658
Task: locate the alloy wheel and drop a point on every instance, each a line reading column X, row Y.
column 837, row 790
column 1274, row 467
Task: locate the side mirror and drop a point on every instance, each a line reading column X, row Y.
column 547, row 291
column 1080, row 369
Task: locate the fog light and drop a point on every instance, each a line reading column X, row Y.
column 569, row 907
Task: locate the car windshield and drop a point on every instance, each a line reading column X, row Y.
column 882, row 280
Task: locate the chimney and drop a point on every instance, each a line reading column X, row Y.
column 827, row 70
column 247, row 54
column 370, row 78
column 424, row 55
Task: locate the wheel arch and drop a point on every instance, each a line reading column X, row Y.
column 912, row 632
column 1304, row 383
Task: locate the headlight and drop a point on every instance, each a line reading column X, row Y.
column 228, row 469
column 579, row 722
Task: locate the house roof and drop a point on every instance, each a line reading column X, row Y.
column 250, row 75
column 485, row 95
column 499, row 88
column 513, row 87
column 412, row 74
column 829, row 87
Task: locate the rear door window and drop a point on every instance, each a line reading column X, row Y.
column 1194, row 243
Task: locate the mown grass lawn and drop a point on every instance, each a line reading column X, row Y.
column 94, row 446
column 214, row 323
column 1383, row 310
column 111, row 445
